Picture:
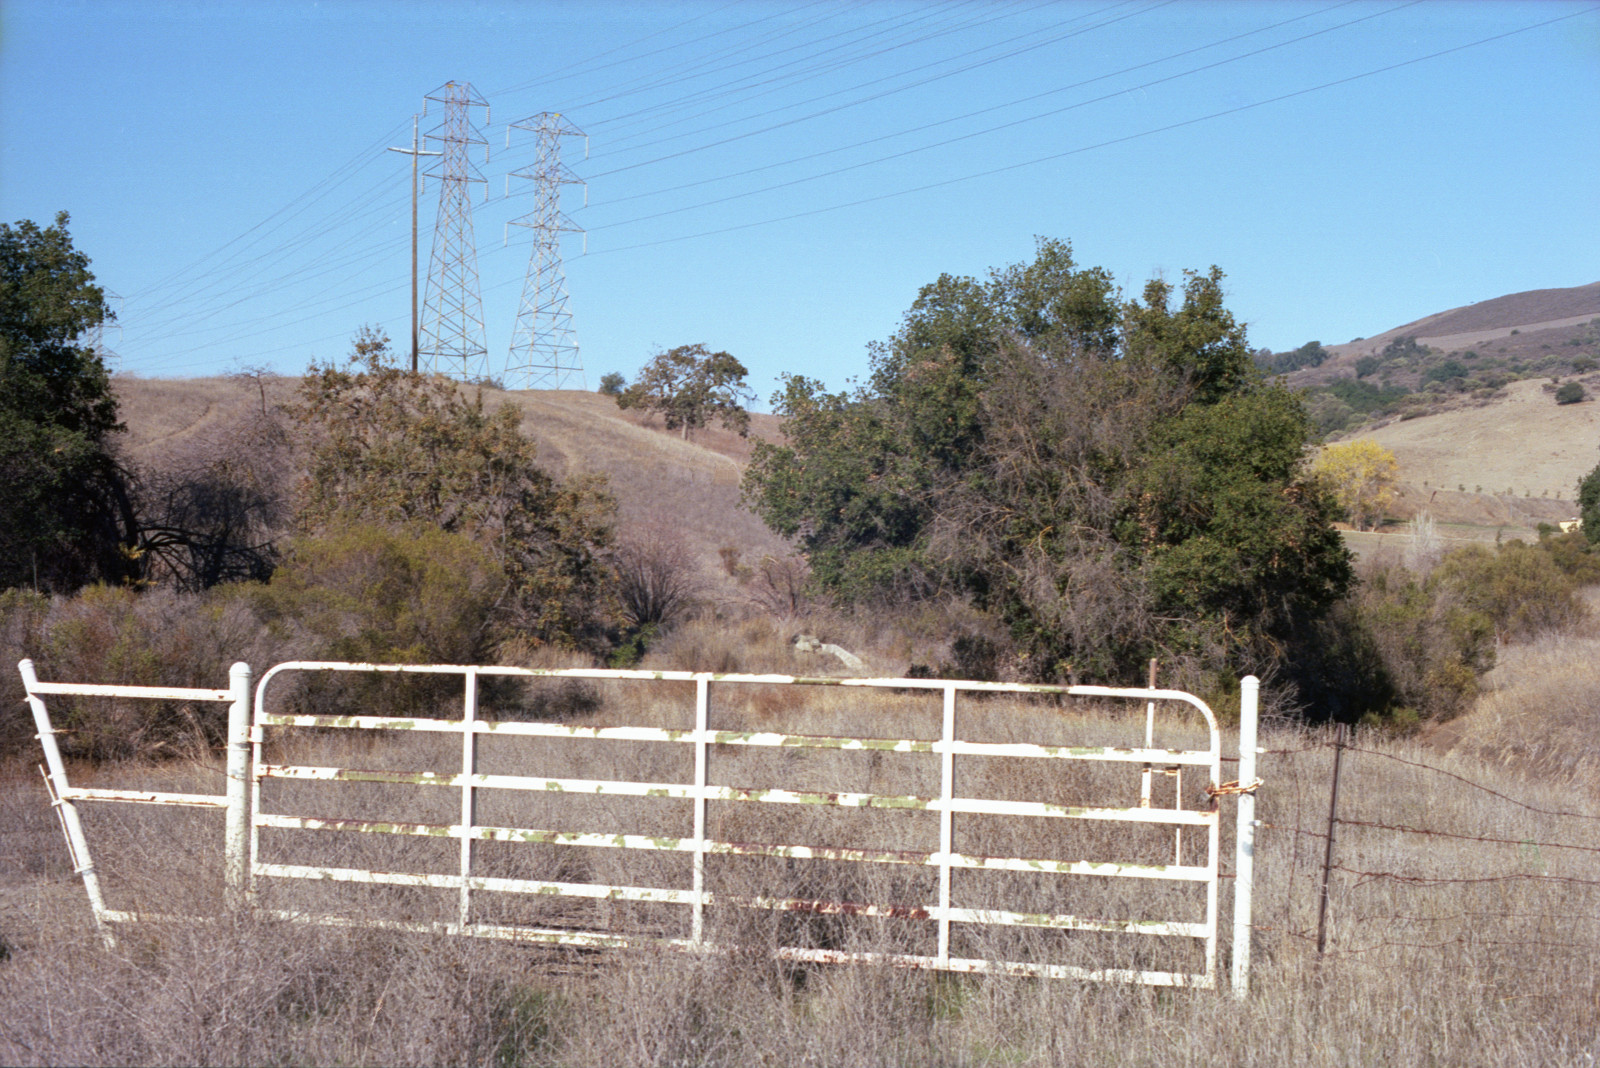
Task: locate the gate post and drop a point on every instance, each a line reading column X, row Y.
column 237, row 826
column 1245, row 834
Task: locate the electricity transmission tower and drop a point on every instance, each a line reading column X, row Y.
column 452, row 336
column 95, row 337
column 544, row 349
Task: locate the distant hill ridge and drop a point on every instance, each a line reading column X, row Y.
column 1535, row 309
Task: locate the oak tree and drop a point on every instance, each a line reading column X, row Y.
column 393, row 448
column 689, row 386
column 1109, row 478
column 66, row 516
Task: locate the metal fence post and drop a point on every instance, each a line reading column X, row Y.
column 237, row 825
column 1327, row 856
column 1245, row 834
column 469, row 796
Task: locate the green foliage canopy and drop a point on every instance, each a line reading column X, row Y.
column 1111, row 478
column 690, row 385
column 65, row 513
column 1589, row 505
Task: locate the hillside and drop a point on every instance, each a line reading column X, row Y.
column 1534, row 311
column 662, row 483
column 1465, row 400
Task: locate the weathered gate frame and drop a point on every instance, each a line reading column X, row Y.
column 245, row 820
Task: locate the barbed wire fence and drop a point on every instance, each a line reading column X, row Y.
column 1408, row 858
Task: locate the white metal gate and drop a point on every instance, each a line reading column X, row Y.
column 270, row 821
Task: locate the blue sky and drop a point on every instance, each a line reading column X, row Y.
column 777, row 179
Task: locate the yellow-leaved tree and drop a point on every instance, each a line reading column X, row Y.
column 1362, row 476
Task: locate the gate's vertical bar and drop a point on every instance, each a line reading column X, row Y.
column 702, row 729
column 947, row 791
column 257, row 738
column 1244, row 858
column 237, row 829
column 1213, row 858
column 1149, row 739
column 77, row 842
column 469, row 799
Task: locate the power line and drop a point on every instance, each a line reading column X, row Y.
column 1166, row 128
column 986, row 131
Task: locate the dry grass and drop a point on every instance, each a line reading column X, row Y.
column 1522, row 441
column 1489, row 972
column 1538, row 710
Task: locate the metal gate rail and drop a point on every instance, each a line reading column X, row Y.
column 246, row 771
column 467, row 830
column 63, row 794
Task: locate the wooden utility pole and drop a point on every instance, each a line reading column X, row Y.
column 414, row 152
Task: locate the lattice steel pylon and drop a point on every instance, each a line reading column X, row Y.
column 452, row 335
column 544, row 349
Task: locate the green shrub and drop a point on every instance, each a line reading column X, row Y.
column 1571, row 393
column 391, row 448
column 1573, row 554
column 1519, row 589
column 413, row 594
column 1589, row 505
column 1445, row 372
column 1430, row 647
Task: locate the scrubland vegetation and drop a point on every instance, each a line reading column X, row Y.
column 1407, row 379
column 1040, row 481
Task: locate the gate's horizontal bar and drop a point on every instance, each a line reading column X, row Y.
column 487, row 782
column 1199, row 757
column 556, row 936
column 122, row 916
column 146, row 797
column 960, row 748
column 969, row 805
column 1079, row 923
column 487, row 834
column 992, row 967
column 755, row 738
column 960, row 685
column 480, row 882
column 1175, row 872
column 371, row 723
column 168, row 693
column 661, row 895
column 544, row 935
column 988, row 917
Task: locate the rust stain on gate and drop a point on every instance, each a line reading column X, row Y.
column 248, row 771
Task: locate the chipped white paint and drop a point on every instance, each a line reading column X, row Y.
column 247, row 771
column 948, row 804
